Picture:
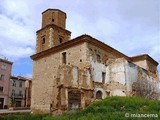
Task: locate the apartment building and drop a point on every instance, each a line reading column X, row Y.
column 5, row 72
column 20, row 91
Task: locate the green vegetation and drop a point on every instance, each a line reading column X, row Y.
column 111, row 108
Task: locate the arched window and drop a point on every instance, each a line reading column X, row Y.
column 99, row 95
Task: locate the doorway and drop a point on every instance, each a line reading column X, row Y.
column 1, row 103
column 74, row 100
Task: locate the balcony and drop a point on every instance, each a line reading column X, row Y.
column 21, row 96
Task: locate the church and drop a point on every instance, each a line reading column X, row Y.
column 73, row 73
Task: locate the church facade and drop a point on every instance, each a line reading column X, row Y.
column 73, row 73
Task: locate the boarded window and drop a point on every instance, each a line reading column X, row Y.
column 99, row 95
column 64, row 58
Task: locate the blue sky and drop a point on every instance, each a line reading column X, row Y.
column 130, row 26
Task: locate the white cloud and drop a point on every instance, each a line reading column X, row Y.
column 15, row 53
column 28, row 75
column 129, row 26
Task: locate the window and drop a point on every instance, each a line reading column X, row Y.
column 13, row 93
column 99, row 95
column 43, row 41
column 103, row 77
column 20, row 93
column 2, row 77
column 20, row 84
column 3, row 66
column 1, row 89
column 53, row 17
column 14, row 83
column 98, row 58
column 64, row 58
column 60, row 40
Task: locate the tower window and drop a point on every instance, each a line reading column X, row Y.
column 60, row 40
column 53, row 17
column 43, row 41
column 64, row 58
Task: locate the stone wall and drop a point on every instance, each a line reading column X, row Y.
column 45, row 76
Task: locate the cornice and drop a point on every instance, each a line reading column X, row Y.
column 55, row 27
column 95, row 42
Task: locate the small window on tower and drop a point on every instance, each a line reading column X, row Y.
column 43, row 41
column 60, row 40
column 53, row 17
column 64, row 58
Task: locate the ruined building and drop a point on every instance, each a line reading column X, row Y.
column 72, row 73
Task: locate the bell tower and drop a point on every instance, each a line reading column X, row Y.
column 53, row 30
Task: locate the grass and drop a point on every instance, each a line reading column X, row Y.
column 111, row 108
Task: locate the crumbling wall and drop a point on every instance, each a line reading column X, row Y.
column 45, row 90
column 116, row 84
column 147, row 89
column 75, row 86
column 114, row 81
column 141, row 82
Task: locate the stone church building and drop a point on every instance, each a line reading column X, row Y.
column 73, row 73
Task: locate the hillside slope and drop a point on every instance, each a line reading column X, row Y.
column 111, row 108
column 117, row 108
